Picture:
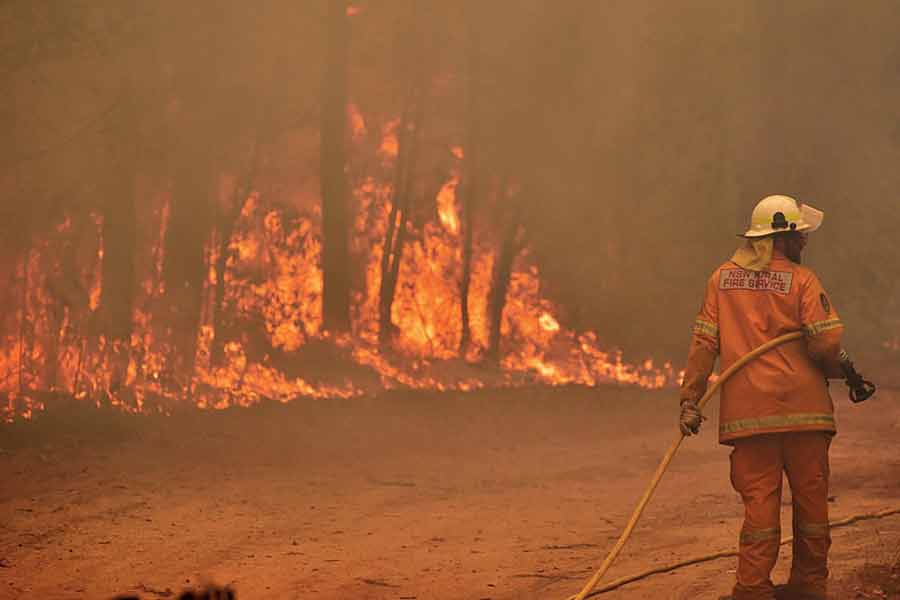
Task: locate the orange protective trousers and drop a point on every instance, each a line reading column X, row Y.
column 757, row 463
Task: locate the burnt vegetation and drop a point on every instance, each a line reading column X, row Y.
column 219, row 203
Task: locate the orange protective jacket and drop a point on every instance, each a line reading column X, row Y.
column 786, row 388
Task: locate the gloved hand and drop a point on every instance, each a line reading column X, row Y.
column 860, row 389
column 690, row 418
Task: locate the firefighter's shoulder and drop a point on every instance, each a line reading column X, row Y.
column 717, row 272
column 716, row 276
column 804, row 275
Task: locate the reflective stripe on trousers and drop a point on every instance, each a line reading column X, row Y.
column 777, row 421
column 757, row 464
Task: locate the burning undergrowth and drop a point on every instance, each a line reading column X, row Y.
column 256, row 331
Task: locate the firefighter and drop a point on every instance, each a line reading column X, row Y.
column 776, row 412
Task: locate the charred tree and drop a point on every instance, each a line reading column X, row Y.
column 392, row 248
column 333, row 159
column 469, row 187
column 225, row 221
column 118, row 234
column 401, row 206
column 408, row 141
column 185, row 263
column 510, row 245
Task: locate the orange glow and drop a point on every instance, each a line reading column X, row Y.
column 390, row 143
column 357, row 122
column 446, row 205
column 271, row 306
column 548, row 323
column 97, row 284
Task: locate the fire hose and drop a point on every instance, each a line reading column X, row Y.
column 860, row 389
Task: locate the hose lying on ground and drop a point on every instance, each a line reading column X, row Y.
column 664, row 464
column 612, row 585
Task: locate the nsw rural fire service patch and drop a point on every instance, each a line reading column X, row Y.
column 825, row 303
column 764, row 281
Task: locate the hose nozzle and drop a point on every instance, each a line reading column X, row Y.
column 860, row 389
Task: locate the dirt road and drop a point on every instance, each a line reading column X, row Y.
column 500, row 495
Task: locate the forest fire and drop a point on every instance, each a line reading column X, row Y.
column 369, row 299
column 260, row 332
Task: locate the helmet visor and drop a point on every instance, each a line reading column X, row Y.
column 811, row 217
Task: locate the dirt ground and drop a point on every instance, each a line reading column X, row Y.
column 490, row 495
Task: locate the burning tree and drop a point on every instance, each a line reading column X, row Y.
column 208, row 258
column 335, row 201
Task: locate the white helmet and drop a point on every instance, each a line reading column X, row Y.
column 775, row 214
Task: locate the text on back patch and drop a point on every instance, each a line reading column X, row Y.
column 765, row 281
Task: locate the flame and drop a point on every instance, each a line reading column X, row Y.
column 548, row 323
column 446, row 205
column 270, row 313
column 357, row 122
column 97, row 284
column 390, row 142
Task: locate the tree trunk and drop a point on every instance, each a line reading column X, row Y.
column 509, row 248
column 402, row 203
column 184, row 268
column 408, row 141
column 225, row 228
column 55, row 316
column 397, row 219
column 469, row 185
column 118, row 280
column 335, row 208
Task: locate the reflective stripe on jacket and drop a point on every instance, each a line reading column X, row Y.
column 784, row 389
